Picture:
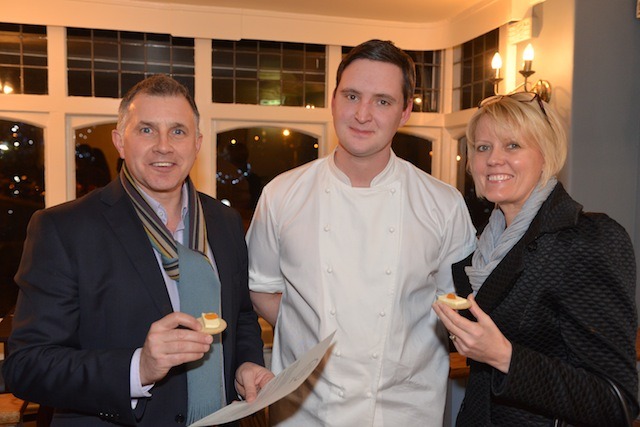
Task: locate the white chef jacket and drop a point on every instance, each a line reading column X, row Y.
column 368, row 263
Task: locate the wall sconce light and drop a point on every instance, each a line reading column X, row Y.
column 541, row 87
column 5, row 88
column 496, row 64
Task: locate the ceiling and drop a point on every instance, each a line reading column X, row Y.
column 410, row 11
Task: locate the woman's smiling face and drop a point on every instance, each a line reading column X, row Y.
column 505, row 168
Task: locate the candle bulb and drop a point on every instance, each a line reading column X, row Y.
column 496, row 64
column 527, row 56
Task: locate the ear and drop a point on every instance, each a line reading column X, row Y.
column 118, row 142
column 406, row 113
column 198, row 142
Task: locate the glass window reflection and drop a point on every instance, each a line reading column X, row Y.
column 21, row 194
column 249, row 158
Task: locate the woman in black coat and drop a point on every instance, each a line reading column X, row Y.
column 552, row 323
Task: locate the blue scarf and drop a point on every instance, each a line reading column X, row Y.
column 496, row 240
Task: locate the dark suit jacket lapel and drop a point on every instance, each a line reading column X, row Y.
column 128, row 229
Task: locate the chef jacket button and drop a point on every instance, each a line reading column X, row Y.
column 374, row 355
column 393, row 191
column 391, row 229
column 388, row 271
column 337, row 353
column 332, row 311
column 341, row 393
column 327, row 190
column 179, row 419
column 329, row 270
column 327, row 227
column 382, row 313
column 369, row 394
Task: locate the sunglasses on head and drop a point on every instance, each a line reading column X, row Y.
column 520, row 97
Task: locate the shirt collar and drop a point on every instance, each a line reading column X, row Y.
column 386, row 176
column 161, row 211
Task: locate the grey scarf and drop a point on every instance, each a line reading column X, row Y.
column 496, row 240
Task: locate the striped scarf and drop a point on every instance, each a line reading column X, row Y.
column 158, row 233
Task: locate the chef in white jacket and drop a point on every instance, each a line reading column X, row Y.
column 360, row 242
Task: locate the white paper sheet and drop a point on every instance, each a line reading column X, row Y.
column 283, row 384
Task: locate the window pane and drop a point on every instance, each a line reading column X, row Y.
column 223, row 90
column 106, row 84
column 182, row 41
column 247, row 74
column 105, row 35
column 270, row 92
column 476, row 68
column 129, row 37
column 249, row 158
column 21, row 194
column 13, row 28
column 293, row 61
column 176, row 69
column 78, row 49
column 158, row 54
column 129, row 80
column 130, row 53
column 246, row 92
column 413, row 149
column 80, row 83
column 105, row 65
column 271, row 47
column 9, row 59
column 182, row 56
column 10, row 80
column 97, row 160
column 223, row 44
column 158, row 39
column 315, row 63
column 292, row 92
column 314, row 94
column 34, row 60
column 225, row 58
column 108, row 51
column 158, row 69
column 73, row 33
column 427, row 80
column 35, row 45
column 132, row 66
column 222, row 73
column 270, row 63
column 35, row 81
column 10, row 43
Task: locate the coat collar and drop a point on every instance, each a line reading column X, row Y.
column 558, row 212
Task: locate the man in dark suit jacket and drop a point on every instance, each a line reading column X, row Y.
column 97, row 334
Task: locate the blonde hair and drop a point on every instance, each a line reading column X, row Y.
column 528, row 118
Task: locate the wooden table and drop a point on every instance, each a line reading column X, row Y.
column 5, row 330
column 458, row 366
column 10, row 409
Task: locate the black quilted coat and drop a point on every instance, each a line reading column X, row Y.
column 565, row 298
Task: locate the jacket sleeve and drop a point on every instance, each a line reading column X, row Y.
column 595, row 306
